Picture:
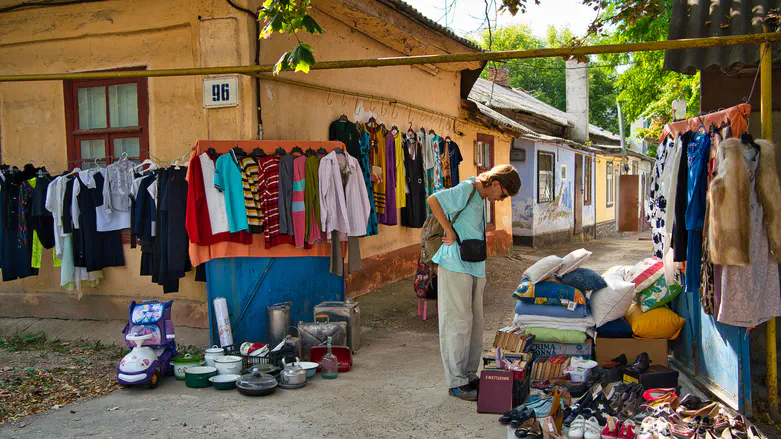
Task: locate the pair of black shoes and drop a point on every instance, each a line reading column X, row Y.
column 518, row 416
column 642, row 363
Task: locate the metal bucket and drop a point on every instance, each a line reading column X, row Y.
column 278, row 320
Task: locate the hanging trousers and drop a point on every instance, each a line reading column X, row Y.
column 460, row 300
column 353, row 255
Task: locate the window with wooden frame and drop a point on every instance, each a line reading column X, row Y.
column 106, row 119
column 484, row 160
column 609, row 185
column 546, row 163
column 587, row 184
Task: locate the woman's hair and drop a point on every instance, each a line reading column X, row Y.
column 506, row 175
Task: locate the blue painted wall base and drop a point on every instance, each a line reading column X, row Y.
column 249, row 285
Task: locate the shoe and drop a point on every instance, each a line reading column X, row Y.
column 576, row 410
column 647, row 428
column 601, row 404
column 464, row 392
column 525, row 427
column 611, row 429
column 662, row 429
column 524, row 418
column 592, row 430
column 474, row 384
column 691, row 402
column 515, row 415
column 577, row 428
column 642, row 363
column 615, row 362
column 627, row 430
column 681, row 431
column 533, row 433
column 651, row 395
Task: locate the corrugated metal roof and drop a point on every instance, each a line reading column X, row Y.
column 716, row 18
column 504, row 98
column 404, row 7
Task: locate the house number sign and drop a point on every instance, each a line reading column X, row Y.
column 221, row 92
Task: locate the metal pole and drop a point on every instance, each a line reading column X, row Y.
column 565, row 52
column 766, row 115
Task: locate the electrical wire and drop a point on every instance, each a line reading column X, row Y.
column 54, row 163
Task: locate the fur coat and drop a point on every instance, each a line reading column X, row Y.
column 729, row 203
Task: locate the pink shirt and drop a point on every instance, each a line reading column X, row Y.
column 343, row 207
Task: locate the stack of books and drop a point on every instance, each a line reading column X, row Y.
column 545, row 368
column 513, row 339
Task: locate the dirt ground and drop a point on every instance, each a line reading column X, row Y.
column 396, row 388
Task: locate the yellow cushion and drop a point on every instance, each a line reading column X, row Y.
column 656, row 323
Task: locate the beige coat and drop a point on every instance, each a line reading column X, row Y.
column 729, row 203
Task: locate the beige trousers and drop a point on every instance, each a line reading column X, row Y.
column 460, row 298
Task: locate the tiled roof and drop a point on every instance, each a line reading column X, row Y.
column 404, row 7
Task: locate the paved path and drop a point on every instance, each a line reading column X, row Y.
column 396, row 389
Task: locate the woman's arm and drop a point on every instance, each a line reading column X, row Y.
column 439, row 214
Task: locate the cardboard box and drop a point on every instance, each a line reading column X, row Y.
column 609, row 348
column 654, row 377
column 584, row 350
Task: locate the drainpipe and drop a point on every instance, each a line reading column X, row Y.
column 621, row 128
column 766, row 114
column 254, row 16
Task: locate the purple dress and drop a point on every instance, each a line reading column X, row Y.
column 390, row 217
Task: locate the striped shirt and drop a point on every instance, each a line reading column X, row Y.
column 299, row 216
column 249, row 181
column 268, row 187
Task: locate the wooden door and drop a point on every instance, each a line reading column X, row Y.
column 577, row 196
column 628, row 203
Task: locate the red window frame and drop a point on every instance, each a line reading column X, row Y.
column 75, row 135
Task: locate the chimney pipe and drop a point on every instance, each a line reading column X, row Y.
column 577, row 99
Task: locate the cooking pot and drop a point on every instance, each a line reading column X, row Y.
column 228, row 365
column 182, row 362
column 224, row 382
column 256, row 383
column 199, row 376
column 212, row 353
column 292, row 374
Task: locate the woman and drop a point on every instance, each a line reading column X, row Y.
column 460, row 284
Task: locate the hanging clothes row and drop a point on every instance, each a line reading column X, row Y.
column 711, row 213
column 400, row 169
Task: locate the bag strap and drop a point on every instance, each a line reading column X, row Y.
column 474, row 189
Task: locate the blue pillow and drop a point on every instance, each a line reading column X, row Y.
column 530, row 309
column 584, row 279
column 618, row 328
column 549, row 293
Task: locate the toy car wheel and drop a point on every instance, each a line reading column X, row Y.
column 155, row 380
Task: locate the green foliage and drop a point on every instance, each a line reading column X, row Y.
column 545, row 78
column 290, row 17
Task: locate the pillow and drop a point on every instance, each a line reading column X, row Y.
column 584, row 279
column 528, row 309
column 618, row 328
column 658, row 323
column 548, row 335
column 543, row 269
column 658, row 294
column 573, row 261
column 613, row 301
column 549, row 293
column 618, row 270
column 645, row 273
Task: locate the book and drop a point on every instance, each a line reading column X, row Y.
column 496, row 392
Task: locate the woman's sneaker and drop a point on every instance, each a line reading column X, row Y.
column 464, row 392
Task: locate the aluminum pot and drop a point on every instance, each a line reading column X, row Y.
column 292, row 374
column 211, row 353
column 256, row 383
column 228, row 365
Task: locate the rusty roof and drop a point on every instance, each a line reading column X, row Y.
column 716, row 18
column 405, row 8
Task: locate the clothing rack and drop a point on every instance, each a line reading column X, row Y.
column 268, row 146
column 736, row 116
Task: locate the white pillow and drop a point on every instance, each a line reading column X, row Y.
column 645, row 273
column 574, row 260
column 617, row 270
column 543, row 269
column 613, row 302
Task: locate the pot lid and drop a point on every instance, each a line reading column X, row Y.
column 214, row 350
column 256, row 380
column 227, row 359
column 187, row 358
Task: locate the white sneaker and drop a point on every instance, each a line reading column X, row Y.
column 647, row 428
column 577, row 428
column 592, row 429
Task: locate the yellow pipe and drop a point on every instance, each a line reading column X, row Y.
column 565, row 52
column 766, row 115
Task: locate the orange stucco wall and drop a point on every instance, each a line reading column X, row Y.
column 180, row 34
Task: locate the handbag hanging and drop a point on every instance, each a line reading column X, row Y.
column 474, row 250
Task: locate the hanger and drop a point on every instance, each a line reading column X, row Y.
column 394, row 130
column 447, row 139
column 748, row 140
column 322, row 150
column 280, row 151
column 152, row 166
column 258, row 153
column 343, row 118
column 297, row 150
column 310, row 152
column 212, row 151
column 372, row 122
column 238, row 152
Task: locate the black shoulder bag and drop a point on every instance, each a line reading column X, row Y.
column 473, row 250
